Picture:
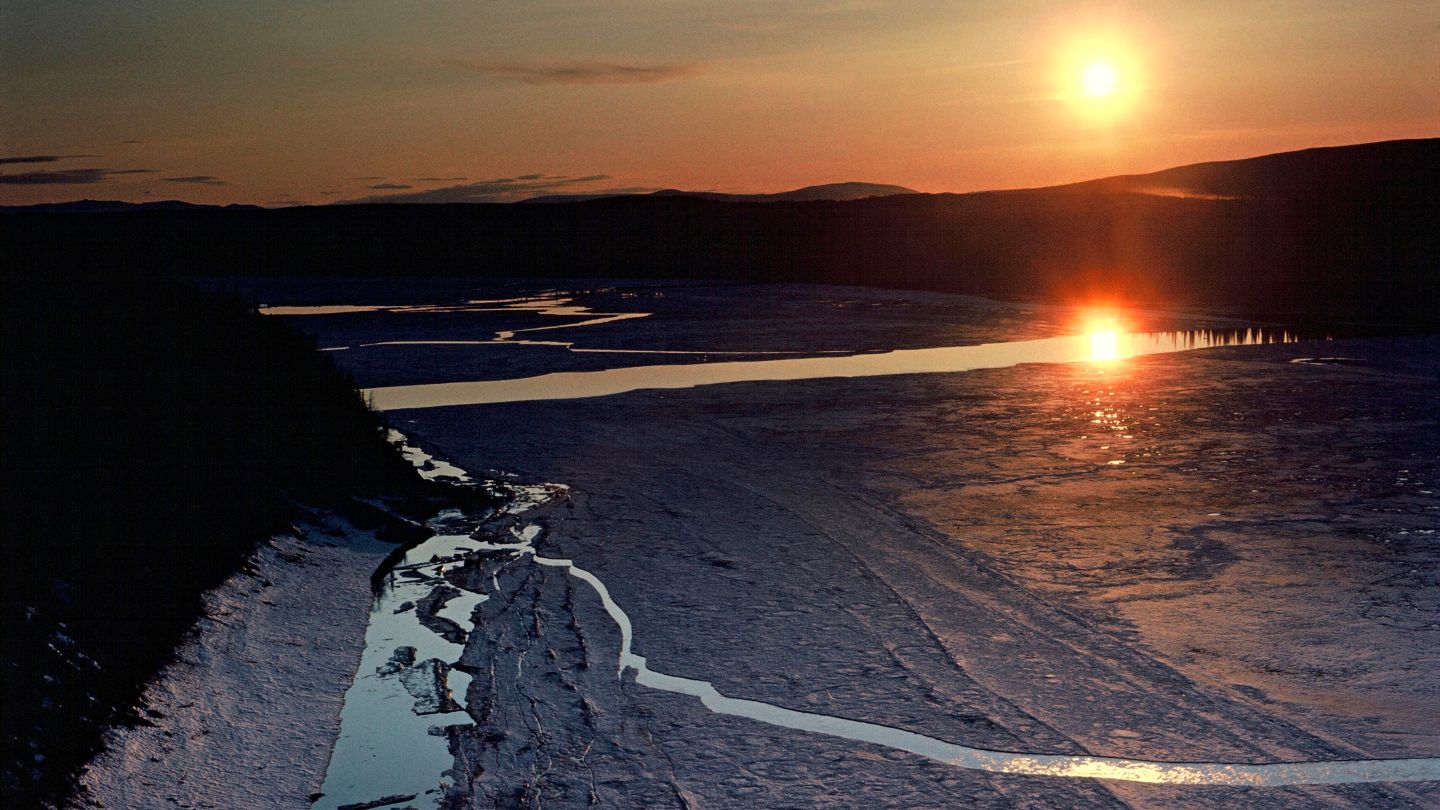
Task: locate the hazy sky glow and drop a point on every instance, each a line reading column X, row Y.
column 310, row 101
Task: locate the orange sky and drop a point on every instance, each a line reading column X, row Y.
column 276, row 102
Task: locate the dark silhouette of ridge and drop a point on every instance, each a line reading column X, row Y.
column 112, row 206
column 1347, row 233
column 827, row 191
column 1404, row 167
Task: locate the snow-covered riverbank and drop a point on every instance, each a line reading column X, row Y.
column 246, row 715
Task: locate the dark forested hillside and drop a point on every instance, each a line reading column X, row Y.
column 153, row 435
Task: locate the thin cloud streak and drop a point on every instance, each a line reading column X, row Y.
column 579, row 72
column 197, row 179
column 497, row 190
column 66, row 177
column 39, row 158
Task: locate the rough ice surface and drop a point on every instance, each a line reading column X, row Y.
column 952, row 754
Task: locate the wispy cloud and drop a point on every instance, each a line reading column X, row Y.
column 39, row 158
column 437, row 179
column 197, row 179
column 388, row 186
column 505, row 189
column 580, row 72
column 66, row 177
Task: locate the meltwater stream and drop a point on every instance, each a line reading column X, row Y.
column 388, row 748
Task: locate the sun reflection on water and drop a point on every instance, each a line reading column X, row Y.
column 1104, row 335
column 1104, row 344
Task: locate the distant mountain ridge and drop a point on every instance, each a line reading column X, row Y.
column 1347, row 233
column 1407, row 166
column 112, row 206
column 826, row 191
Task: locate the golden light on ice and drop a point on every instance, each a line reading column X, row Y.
column 1099, row 79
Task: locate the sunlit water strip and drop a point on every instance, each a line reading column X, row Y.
column 1005, row 762
column 1100, row 347
column 568, row 345
column 552, row 304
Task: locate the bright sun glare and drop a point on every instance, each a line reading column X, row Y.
column 1099, row 79
column 1101, row 74
column 1104, row 345
column 1103, row 333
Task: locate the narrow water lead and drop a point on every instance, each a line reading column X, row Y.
column 949, row 359
column 385, row 747
column 404, row 691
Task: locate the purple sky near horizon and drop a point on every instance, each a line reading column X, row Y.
column 304, row 101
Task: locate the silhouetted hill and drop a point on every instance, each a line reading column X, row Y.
column 154, row 436
column 1405, row 168
column 1339, row 233
column 112, row 206
column 828, row 191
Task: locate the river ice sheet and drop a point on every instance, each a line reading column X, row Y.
column 1010, row 441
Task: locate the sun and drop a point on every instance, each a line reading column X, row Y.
column 1101, row 75
column 1099, row 79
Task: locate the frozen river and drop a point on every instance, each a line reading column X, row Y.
column 1084, row 557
